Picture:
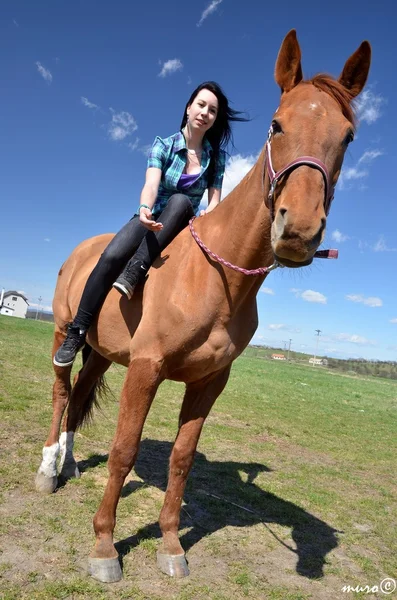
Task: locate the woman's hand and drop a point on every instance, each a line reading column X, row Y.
column 146, row 218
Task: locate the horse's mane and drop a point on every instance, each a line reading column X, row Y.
column 336, row 90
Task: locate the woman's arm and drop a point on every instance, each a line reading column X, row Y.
column 148, row 197
column 214, row 197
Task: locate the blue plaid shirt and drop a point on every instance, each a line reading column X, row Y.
column 170, row 155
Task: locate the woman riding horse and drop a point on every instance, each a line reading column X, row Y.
column 179, row 170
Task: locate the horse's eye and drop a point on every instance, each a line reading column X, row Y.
column 276, row 127
column 349, row 138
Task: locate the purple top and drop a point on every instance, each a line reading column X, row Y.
column 186, row 180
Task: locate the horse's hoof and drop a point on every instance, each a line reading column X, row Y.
column 70, row 470
column 45, row 485
column 174, row 565
column 107, row 570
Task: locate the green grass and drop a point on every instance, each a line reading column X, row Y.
column 292, row 494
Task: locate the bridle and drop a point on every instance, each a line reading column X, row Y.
column 274, row 177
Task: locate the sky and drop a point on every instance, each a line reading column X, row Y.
column 86, row 87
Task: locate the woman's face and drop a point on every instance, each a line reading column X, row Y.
column 203, row 111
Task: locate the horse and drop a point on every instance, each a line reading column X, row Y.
column 194, row 316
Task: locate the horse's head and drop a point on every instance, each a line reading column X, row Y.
column 311, row 129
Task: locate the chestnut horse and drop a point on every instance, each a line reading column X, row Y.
column 194, row 317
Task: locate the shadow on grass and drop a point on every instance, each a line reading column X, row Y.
column 211, row 489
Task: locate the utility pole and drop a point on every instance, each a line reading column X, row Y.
column 318, row 331
column 289, row 348
column 38, row 306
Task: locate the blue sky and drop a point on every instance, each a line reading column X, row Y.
column 86, row 86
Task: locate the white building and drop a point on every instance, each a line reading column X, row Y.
column 318, row 361
column 14, row 304
column 278, row 357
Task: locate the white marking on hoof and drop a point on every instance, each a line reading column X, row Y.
column 68, row 468
column 66, row 442
column 48, row 465
column 45, row 485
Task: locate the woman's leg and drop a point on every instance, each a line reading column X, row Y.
column 174, row 218
column 110, row 264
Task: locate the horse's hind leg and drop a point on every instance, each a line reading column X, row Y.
column 140, row 386
column 87, row 383
column 198, row 401
column 46, row 477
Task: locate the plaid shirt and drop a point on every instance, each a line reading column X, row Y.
column 170, row 156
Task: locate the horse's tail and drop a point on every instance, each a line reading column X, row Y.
column 99, row 390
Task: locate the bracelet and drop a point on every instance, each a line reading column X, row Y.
column 144, row 206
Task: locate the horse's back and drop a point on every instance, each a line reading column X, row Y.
column 72, row 277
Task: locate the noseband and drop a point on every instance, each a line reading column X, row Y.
column 308, row 161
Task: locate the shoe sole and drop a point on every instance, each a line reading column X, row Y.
column 122, row 289
column 58, row 364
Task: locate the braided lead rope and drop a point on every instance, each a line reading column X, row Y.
column 222, row 261
column 261, row 270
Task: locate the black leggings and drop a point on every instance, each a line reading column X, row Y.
column 133, row 240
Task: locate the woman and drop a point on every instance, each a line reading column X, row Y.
column 180, row 168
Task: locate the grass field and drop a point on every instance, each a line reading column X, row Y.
column 292, row 495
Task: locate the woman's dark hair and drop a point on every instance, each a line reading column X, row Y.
column 220, row 134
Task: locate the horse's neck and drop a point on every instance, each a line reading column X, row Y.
column 239, row 229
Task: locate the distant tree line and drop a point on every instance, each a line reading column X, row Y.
column 374, row 368
column 354, row 366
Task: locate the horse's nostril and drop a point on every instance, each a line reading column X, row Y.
column 282, row 211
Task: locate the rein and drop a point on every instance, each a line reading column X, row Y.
column 274, row 178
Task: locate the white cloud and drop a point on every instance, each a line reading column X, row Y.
column 236, row 169
column 15, row 23
column 381, row 246
column 266, row 290
column 372, row 301
column 310, row 296
column 368, row 106
column 354, row 339
column 170, row 66
column 133, row 145
column 208, row 11
column 145, row 149
column 370, row 155
column 393, row 320
column 87, row 103
column 45, row 73
column 122, row 125
column 189, row 80
column 276, row 326
column 338, row 236
column 357, row 172
column 40, row 307
column 47, row 240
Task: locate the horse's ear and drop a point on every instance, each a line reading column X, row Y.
column 288, row 71
column 356, row 69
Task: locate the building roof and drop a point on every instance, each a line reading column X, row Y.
column 15, row 293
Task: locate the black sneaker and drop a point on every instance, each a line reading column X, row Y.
column 124, row 287
column 66, row 353
column 129, row 279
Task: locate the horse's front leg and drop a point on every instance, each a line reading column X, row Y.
column 197, row 403
column 140, row 386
